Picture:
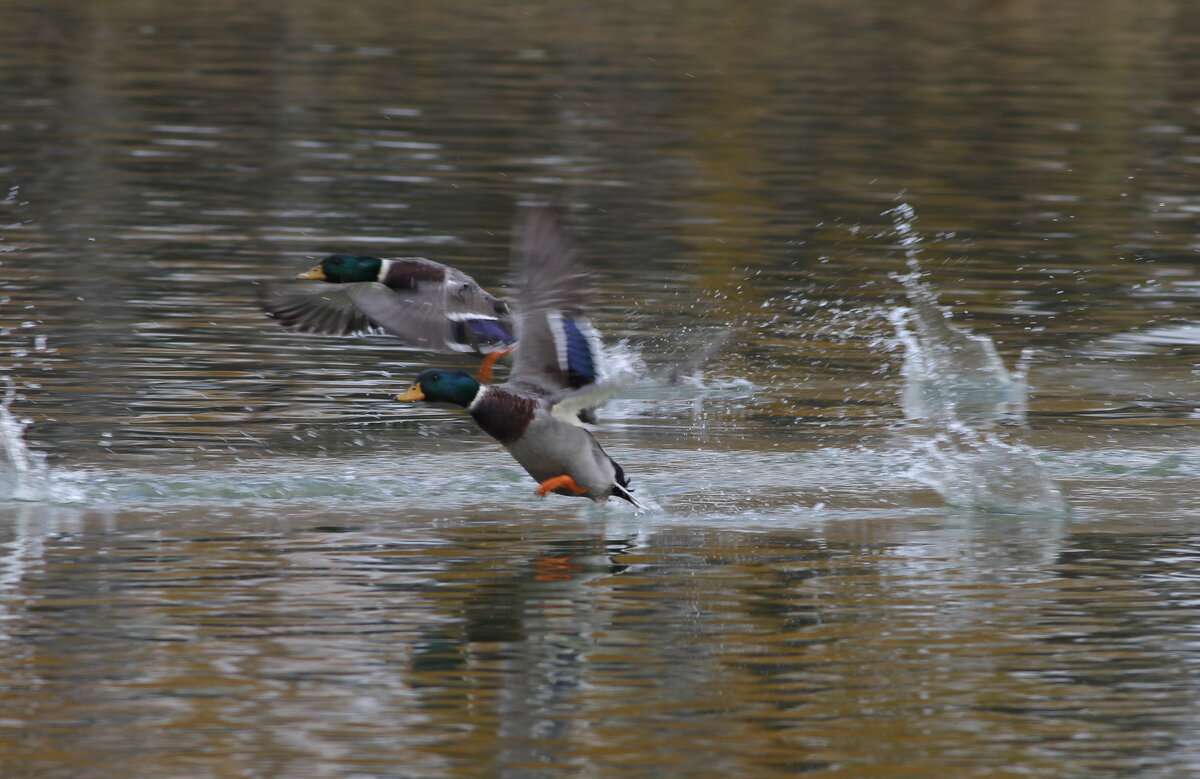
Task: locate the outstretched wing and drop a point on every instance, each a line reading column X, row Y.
column 450, row 314
column 315, row 307
column 558, row 347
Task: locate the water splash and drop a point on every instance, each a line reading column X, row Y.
column 949, row 372
column 977, row 469
column 904, row 226
column 620, row 362
column 23, row 473
column 956, row 383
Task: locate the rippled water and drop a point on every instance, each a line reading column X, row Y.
column 927, row 511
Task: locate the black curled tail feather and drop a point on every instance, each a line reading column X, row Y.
column 621, row 488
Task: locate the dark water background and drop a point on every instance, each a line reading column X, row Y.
column 225, row 551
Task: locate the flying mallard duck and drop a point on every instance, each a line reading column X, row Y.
column 425, row 304
column 534, row 414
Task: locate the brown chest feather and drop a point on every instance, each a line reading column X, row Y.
column 504, row 416
column 409, row 273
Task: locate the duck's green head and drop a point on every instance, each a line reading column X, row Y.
column 345, row 269
column 438, row 386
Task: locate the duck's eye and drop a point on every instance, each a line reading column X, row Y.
column 436, row 377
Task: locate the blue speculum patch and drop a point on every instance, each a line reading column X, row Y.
column 490, row 331
column 581, row 364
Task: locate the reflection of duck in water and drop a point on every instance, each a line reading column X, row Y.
column 534, row 414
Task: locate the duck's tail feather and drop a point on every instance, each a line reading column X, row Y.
column 624, row 494
column 621, row 488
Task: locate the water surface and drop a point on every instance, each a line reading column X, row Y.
column 226, row 551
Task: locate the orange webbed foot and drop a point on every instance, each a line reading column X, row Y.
column 489, row 361
column 549, row 485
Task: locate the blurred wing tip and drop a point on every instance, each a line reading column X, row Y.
column 568, row 406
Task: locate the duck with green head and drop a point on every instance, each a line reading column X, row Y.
column 535, row 413
column 424, row 303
